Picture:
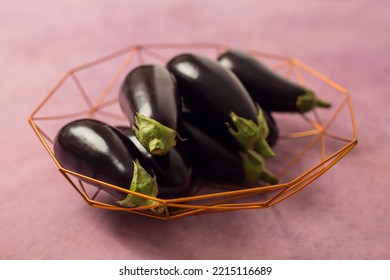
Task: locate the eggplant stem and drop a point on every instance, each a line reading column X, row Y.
column 155, row 137
column 264, row 149
column 251, row 135
column 322, row 103
column 308, row 101
column 255, row 168
column 268, row 177
column 143, row 183
column 155, row 147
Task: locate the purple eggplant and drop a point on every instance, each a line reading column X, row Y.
column 100, row 151
column 149, row 99
column 211, row 90
column 174, row 170
column 270, row 90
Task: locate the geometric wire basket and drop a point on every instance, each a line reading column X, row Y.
column 308, row 146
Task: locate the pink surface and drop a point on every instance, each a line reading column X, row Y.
column 343, row 215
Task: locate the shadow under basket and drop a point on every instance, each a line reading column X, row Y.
column 308, row 146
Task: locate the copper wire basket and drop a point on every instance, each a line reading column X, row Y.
column 309, row 144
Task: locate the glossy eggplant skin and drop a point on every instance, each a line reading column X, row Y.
column 97, row 150
column 273, row 130
column 216, row 131
column 210, row 89
column 215, row 162
column 270, row 90
column 174, row 171
column 151, row 90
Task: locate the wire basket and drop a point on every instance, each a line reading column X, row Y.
column 309, row 144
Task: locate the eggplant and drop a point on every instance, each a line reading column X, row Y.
column 216, row 162
column 97, row 150
column 270, row 90
column 149, row 99
column 174, row 171
column 209, row 89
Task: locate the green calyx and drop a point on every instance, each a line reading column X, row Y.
column 268, row 177
column 251, row 135
column 308, row 101
column 255, row 169
column 145, row 184
column 155, row 137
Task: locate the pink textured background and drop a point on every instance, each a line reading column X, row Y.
column 41, row 217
